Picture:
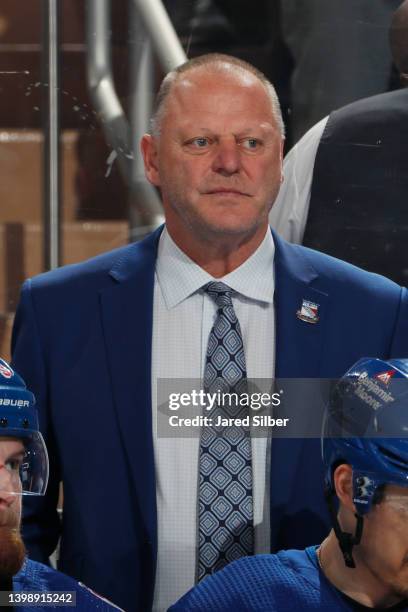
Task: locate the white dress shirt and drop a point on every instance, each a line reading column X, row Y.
column 289, row 212
column 183, row 316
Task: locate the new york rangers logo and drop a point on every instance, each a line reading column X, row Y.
column 308, row 312
column 385, row 377
column 5, row 371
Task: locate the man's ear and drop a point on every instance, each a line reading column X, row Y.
column 148, row 147
column 281, row 159
column 343, row 483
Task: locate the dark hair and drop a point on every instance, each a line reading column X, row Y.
column 379, row 494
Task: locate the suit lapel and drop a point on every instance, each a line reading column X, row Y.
column 298, row 342
column 298, row 355
column 127, row 318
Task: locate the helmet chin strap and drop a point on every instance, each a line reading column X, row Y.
column 346, row 540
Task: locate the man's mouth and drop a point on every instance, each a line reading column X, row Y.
column 226, row 191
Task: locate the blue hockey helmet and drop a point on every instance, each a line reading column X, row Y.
column 366, row 426
column 19, row 420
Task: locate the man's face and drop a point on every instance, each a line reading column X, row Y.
column 12, row 550
column 218, row 158
column 11, row 455
column 384, row 546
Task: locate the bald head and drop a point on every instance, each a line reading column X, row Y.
column 213, row 63
column 399, row 40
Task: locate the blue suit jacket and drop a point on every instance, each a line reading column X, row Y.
column 82, row 342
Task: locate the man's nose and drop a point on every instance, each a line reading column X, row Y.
column 6, row 486
column 228, row 158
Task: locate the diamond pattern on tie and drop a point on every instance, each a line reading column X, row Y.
column 225, row 504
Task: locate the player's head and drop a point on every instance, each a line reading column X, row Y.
column 364, row 444
column 23, row 464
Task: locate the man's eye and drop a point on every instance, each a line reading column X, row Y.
column 250, row 143
column 13, row 465
column 200, row 142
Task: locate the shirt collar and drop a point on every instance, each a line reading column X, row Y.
column 179, row 276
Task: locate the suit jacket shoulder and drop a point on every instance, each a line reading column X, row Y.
column 119, row 264
column 314, row 266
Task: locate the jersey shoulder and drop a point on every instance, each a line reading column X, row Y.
column 39, row 578
column 278, row 583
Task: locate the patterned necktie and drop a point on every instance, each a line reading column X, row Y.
column 225, row 510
